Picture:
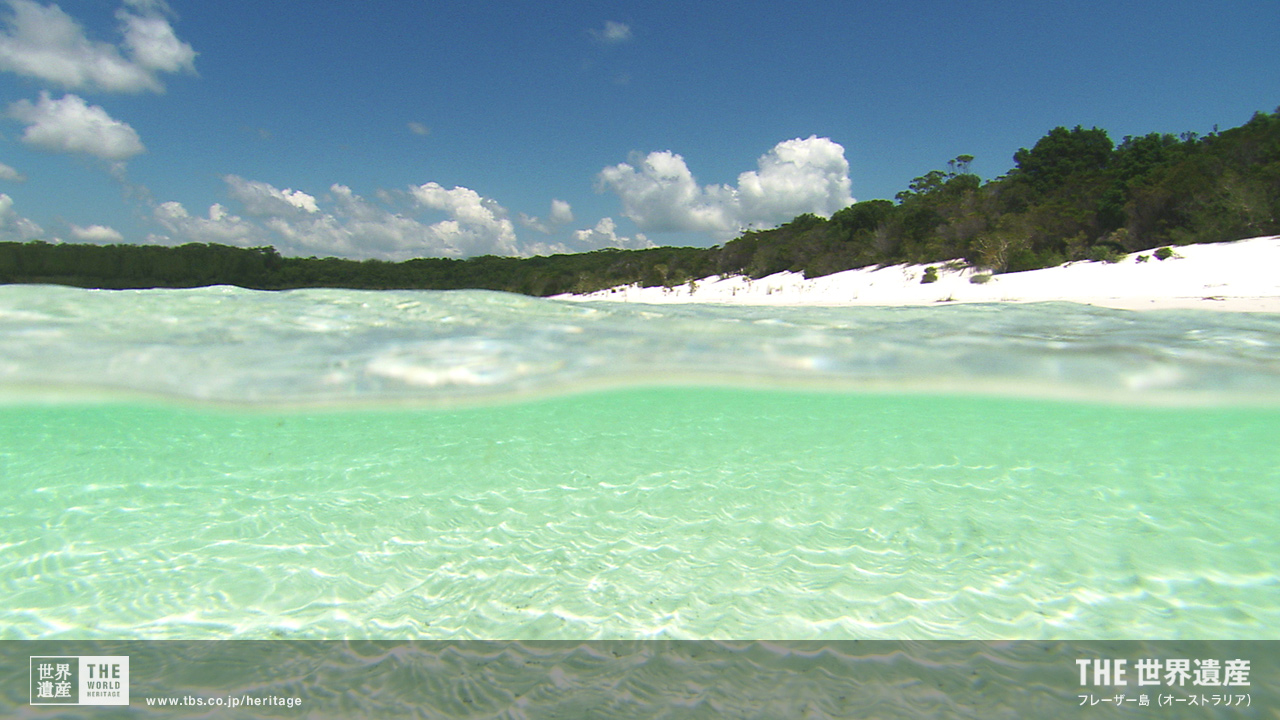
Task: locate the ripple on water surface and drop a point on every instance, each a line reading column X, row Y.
column 217, row 463
column 679, row 512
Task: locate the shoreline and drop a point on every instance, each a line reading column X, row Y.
column 1239, row 276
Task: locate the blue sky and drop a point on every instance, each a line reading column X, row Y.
column 405, row 129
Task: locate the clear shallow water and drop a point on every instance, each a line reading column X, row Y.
column 326, row 464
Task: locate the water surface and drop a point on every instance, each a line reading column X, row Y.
column 221, row 463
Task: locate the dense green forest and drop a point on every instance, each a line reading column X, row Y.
column 1075, row 195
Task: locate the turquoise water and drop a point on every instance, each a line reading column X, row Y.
column 221, row 463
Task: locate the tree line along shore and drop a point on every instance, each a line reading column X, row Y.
column 1075, row 195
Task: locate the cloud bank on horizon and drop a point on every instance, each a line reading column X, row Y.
column 659, row 194
column 657, row 191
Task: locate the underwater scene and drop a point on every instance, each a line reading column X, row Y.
column 220, row 463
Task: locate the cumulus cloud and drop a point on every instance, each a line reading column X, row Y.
column 393, row 225
column 96, row 234
column 14, row 227
column 796, row 176
column 218, row 227
column 561, row 214
column 261, row 199
column 153, row 45
column 545, row 248
column 156, row 6
column 605, row 234
column 344, row 224
column 660, row 194
column 475, row 222
column 8, row 173
column 44, row 42
column 73, row 126
column 612, row 32
column 355, row 227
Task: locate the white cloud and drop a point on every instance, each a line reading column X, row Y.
column 795, row 177
column 261, row 199
column 535, row 223
column 343, row 224
column 14, row 227
column 545, row 248
column 73, row 126
column 393, row 225
column 357, row 228
column 8, row 173
column 561, row 214
column 612, row 33
column 96, row 234
column 605, row 234
column 477, row 225
column 45, row 43
column 153, row 44
column 149, row 6
column 660, row 194
column 219, row 227
column 418, row 128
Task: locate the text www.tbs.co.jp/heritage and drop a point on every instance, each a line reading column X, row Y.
column 230, row 701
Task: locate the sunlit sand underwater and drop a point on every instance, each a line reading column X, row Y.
column 220, row 463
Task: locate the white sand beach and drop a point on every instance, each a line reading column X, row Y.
column 1241, row 276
